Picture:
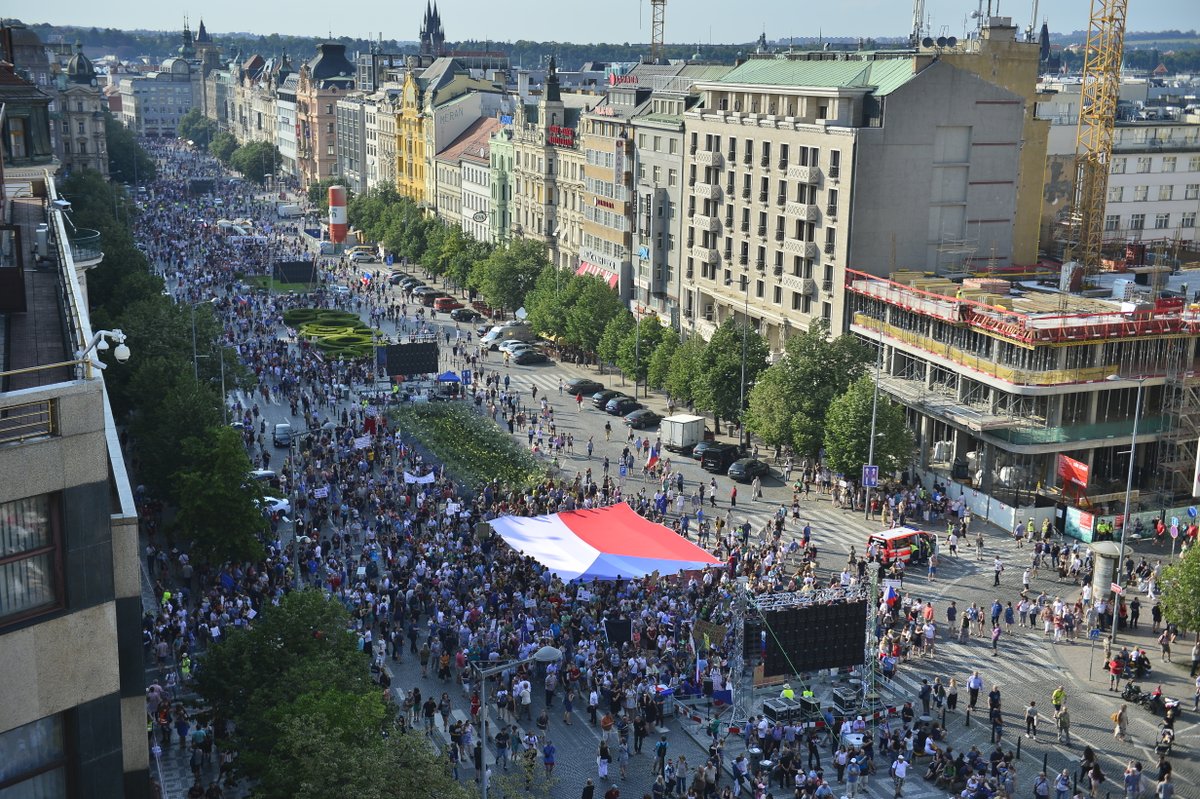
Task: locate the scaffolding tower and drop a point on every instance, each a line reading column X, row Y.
column 1181, row 406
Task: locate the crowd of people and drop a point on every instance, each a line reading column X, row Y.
column 382, row 528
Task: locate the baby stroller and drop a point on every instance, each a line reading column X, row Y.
column 1166, row 737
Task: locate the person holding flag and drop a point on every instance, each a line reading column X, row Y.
column 652, row 459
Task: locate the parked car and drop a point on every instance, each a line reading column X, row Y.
column 526, row 357
column 582, row 385
column 701, row 446
column 395, row 279
column 512, row 344
column 601, row 398
column 619, row 406
column 641, row 419
column 746, row 469
column 429, row 298
column 275, row 505
column 361, row 257
column 446, row 304
column 719, row 458
column 409, row 283
column 422, row 290
column 464, row 315
column 483, row 308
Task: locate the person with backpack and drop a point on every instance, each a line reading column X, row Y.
column 660, row 755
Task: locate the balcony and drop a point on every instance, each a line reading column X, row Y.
column 765, row 162
column 710, row 223
column 827, row 286
column 831, row 212
column 829, row 247
column 743, row 259
column 805, row 249
column 85, row 248
column 746, row 193
column 709, row 191
column 779, row 234
column 710, row 158
column 806, row 211
column 762, row 231
column 762, row 196
column 705, row 255
column 803, row 285
column 804, row 174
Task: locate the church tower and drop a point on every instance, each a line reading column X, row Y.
column 433, row 39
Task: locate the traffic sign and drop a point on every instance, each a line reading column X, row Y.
column 1117, row 588
column 1094, row 633
column 1174, row 531
column 870, row 476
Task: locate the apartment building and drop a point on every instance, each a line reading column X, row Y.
column 800, row 166
column 608, row 197
column 1003, row 380
column 84, row 141
column 500, row 167
column 547, row 179
column 152, row 104
column 72, row 701
column 286, row 125
column 350, row 120
column 1154, row 183
column 464, row 181
column 324, row 80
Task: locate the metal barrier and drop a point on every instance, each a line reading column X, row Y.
column 28, row 420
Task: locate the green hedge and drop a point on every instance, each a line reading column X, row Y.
column 473, row 449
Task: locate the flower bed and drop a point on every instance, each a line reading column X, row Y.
column 338, row 334
column 472, row 448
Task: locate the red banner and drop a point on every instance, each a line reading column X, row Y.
column 1073, row 472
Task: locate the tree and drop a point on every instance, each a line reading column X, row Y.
column 848, row 431
column 590, row 311
column 788, row 405
column 1180, row 583
column 308, row 721
column 222, row 146
column 219, row 509
column 634, row 351
column 614, row 333
column 719, row 383
column 127, row 161
column 660, row 361
column 683, row 374
column 553, row 295
column 175, row 408
column 510, row 273
column 255, row 160
column 197, row 128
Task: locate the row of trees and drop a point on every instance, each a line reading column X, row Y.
column 308, row 719
column 504, row 276
column 168, row 395
column 254, row 159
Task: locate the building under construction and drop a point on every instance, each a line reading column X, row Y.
column 1000, row 378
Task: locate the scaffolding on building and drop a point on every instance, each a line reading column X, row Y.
column 1181, row 406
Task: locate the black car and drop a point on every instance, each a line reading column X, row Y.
column 641, row 419
column 619, row 406
column 464, row 315
column 600, row 398
column 702, row 446
column 395, row 279
column 746, row 469
column 582, row 385
column 719, row 458
column 525, row 357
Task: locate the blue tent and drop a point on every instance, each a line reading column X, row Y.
column 448, row 377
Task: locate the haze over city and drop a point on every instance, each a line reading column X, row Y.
column 624, row 21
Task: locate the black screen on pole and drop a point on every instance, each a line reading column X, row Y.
column 294, row 272
column 411, row 359
column 806, row 639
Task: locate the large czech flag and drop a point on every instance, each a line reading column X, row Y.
column 603, row 544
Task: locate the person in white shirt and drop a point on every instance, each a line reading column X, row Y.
column 899, row 772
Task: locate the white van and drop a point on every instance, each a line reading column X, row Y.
column 509, row 330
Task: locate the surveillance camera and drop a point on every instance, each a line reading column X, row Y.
column 101, row 345
column 121, row 353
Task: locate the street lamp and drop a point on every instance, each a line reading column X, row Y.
column 547, row 654
column 1126, row 516
column 745, row 333
column 871, row 444
column 637, row 350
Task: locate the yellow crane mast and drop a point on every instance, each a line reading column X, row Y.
column 1094, row 136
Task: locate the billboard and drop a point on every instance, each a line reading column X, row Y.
column 1073, row 473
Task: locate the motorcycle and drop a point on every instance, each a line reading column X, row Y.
column 1133, row 694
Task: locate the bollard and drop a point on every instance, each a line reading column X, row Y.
column 943, row 718
column 1018, row 747
column 967, row 718
column 1045, row 759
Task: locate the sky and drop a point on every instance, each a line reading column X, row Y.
column 617, row 21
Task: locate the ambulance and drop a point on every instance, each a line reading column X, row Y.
column 904, row 543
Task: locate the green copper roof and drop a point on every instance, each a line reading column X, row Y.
column 884, row 76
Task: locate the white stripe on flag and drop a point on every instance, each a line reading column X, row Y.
column 362, row 442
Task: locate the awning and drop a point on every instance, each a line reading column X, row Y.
column 603, row 544
column 448, row 377
column 586, row 268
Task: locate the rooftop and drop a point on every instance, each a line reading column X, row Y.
column 881, row 76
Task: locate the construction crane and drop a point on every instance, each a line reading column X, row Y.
column 1094, row 135
column 658, row 13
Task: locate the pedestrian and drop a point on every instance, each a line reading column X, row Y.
column 660, row 755
column 1062, row 785
column 997, row 568
column 1041, row 786
column 1119, row 719
column 899, row 771
column 1031, row 720
column 852, row 773
column 1062, row 720
column 995, row 640
column 589, row 790
column 733, row 497
column 548, row 751
column 974, row 686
